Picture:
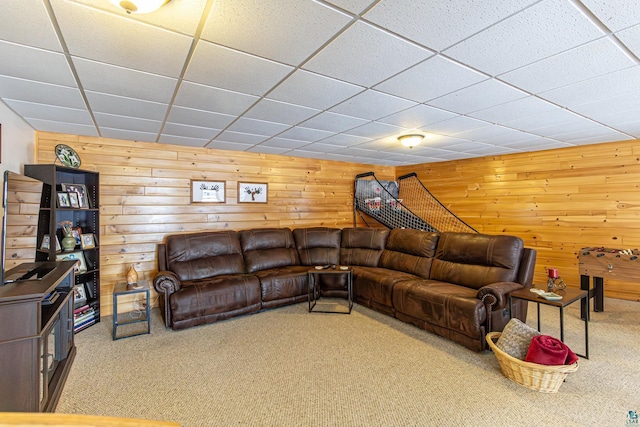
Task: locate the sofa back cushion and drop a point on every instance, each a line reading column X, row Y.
column 476, row 260
column 265, row 248
column 411, row 251
column 208, row 254
column 318, row 245
column 362, row 246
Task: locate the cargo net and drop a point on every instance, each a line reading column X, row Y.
column 405, row 204
column 379, row 200
column 420, row 201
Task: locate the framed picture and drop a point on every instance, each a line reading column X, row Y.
column 79, row 296
column 81, row 266
column 45, row 242
column 74, row 199
column 208, row 191
column 81, row 189
column 87, row 241
column 252, row 192
column 63, row 200
column 76, row 232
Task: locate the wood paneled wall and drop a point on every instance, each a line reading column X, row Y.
column 558, row 201
column 145, row 195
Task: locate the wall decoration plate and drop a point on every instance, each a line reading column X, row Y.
column 67, row 156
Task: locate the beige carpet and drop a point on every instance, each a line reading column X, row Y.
column 288, row 367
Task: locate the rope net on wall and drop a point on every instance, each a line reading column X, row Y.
column 403, row 204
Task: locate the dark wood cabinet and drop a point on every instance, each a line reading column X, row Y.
column 36, row 338
column 84, row 218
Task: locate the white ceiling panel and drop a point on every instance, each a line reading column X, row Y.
column 478, row 97
column 225, row 68
column 113, row 80
column 287, row 31
column 440, row 24
column 317, row 77
column 313, row 90
column 582, row 63
column 112, row 104
column 201, row 97
column 424, row 81
column 365, row 55
column 544, row 29
column 372, row 105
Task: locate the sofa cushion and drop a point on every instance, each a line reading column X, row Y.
column 318, row 245
column 266, row 248
column 476, row 260
column 283, row 283
column 362, row 246
column 373, row 286
column 201, row 255
column 410, row 251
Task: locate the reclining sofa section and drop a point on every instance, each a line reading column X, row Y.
column 453, row 284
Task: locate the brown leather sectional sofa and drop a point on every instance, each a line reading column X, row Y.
column 452, row 284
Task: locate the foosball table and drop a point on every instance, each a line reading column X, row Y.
column 600, row 263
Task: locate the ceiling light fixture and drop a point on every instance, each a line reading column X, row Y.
column 140, row 6
column 411, row 140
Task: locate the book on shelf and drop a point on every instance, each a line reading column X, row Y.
column 88, row 321
column 82, row 319
column 80, row 309
column 78, row 328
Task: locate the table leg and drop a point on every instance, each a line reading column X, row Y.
column 585, row 286
column 598, row 300
column 538, row 304
column 562, row 324
column 585, row 302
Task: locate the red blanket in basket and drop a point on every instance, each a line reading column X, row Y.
column 547, row 350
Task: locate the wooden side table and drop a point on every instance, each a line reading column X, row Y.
column 314, row 291
column 145, row 316
column 569, row 296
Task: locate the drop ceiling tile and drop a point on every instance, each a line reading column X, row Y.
column 496, row 135
column 577, row 126
column 48, row 112
column 222, row 101
column 280, row 112
column 319, row 147
column 455, row 125
column 287, row 31
column 22, row 63
column 353, row 6
column 537, row 143
column 225, row 68
column 559, row 117
column 523, row 107
column 616, row 104
column 313, row 90
column 372, row 105
column 305, row 134
column 375, row 130
column 112, row 104
column 62, row 127
column 227, row 145
column 130, row 135
column 257, row 127
column 267, row 150
column 615, row 14
column 16, row 16
column 544, row 29
column 113, row 80
column 365, row 55
column 344, row 140
column 333, row 122
column 127, row 123
column 189, row 13
column 602, row 87
column 41, row 93
column 240, row 138
column 581, row 63
column 118, row 40
column 279, row 142
column 440, row 24
column 198, row 132
column 614, row 119
column 417, row 117
column 631, row 38
column 430, row 79
column 591, row 135
column 478, row 97
column 189, row 116
column 183, row 140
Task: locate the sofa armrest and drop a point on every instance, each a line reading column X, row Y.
column 165, row 284
column 496, row 294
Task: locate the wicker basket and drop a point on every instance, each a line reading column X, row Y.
column 543, row 378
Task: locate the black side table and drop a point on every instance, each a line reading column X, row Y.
column 314, row 291
column 145, row 316
column 569, row 296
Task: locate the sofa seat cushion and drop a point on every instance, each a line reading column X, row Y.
column 410, row 251
column 373, row 286
column 283, row 283
column 215, row 296
column 446, row 305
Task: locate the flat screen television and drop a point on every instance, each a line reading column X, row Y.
column 21, row 197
